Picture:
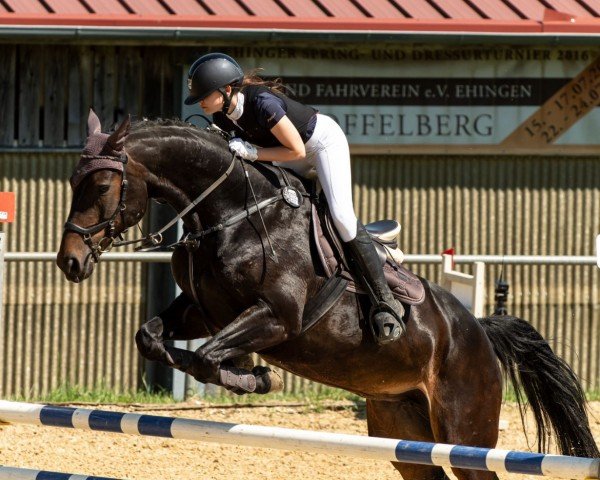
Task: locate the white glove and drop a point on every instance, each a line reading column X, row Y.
column 243, row 149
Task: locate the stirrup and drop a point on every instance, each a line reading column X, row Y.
column 389, row 327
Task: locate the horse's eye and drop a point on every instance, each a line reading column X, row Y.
column 103, row 189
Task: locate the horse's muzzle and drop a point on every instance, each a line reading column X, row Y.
column 76, row 263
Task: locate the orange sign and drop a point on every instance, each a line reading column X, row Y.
column 7, row 207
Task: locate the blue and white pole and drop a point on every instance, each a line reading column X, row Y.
column 457, row 456
column 12, row 473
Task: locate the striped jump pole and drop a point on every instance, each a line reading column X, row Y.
column 303, row 440
column 12, row 473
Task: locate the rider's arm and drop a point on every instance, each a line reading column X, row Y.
column 292, row 145
column 271, row 114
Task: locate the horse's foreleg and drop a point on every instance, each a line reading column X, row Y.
column 254, row 330
column 181, row 320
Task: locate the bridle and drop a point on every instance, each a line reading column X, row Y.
column 108, row 240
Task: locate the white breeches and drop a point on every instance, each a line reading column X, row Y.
column 328, row 153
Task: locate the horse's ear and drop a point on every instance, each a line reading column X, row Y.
column 124, row 127
column 117, row 138
column 93, row 125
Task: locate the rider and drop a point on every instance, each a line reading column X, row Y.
column 269, row 126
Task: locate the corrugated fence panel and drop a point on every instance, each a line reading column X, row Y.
column 55, row 332
column 503, row 205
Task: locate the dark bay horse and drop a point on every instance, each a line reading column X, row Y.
column 440, row 382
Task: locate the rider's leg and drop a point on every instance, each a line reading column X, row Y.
column 332, row 161
column 387, row 313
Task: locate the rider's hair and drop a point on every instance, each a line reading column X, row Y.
column 252, row 78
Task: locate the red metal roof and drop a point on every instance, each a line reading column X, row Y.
column 476, row 16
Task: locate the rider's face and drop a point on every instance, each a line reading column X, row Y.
column 213, row 103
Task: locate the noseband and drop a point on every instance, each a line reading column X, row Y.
column 105, row 243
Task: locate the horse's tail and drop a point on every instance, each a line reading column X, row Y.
column 550, row 385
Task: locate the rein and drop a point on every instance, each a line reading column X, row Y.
column 286, row 193
column 156, row 238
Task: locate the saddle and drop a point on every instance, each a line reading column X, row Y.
column 404, row 284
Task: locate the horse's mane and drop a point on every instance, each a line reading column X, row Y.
column 174, row 129
column 140, row 125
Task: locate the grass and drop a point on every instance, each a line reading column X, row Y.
column 509, row 395
column 77, row 394
column 316, row 400
column 593, row 395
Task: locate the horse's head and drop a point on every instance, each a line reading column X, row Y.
column 107, row 198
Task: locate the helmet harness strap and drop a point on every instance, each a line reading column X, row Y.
column 226, row 98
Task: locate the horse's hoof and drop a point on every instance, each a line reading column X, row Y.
column 267, row 380
column 148, row 340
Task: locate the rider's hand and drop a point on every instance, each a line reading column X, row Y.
column 243, row 149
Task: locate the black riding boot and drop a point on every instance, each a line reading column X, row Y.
column 386, row 313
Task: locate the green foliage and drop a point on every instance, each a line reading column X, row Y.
column 510, row 396
column 313, row 400
column 325, row 393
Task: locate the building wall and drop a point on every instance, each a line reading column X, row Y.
column 55, row 332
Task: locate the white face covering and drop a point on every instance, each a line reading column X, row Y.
column 239, row 108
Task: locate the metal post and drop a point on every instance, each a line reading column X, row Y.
column 501, row 297
column 161, row 291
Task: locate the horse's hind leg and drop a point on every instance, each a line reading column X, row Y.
column 406, row 418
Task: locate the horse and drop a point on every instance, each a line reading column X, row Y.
column 245, row 284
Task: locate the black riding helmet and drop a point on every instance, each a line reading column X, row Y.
column 211, row 72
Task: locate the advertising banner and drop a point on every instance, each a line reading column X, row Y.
column 449, row 98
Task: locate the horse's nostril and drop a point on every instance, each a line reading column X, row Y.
column 72, row 265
